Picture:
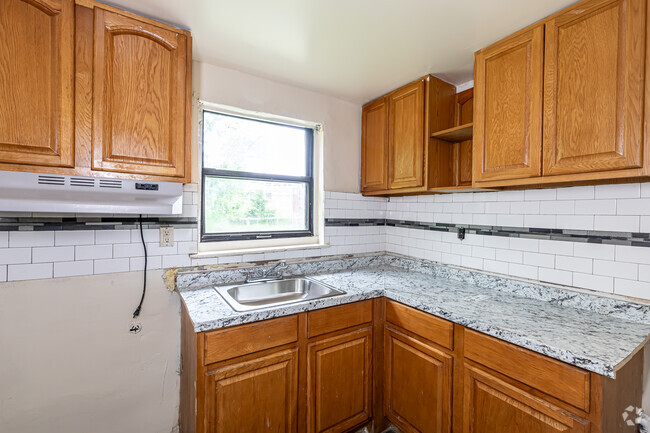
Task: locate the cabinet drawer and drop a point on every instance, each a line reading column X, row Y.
column 425, row 325
column 562, row 381
column 241, row 340
column 333, row 319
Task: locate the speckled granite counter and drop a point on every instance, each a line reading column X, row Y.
column 592, row 332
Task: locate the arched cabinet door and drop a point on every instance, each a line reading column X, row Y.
column 140, row 95
column 37, row 82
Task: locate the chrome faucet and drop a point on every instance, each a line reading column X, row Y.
column 271, row 274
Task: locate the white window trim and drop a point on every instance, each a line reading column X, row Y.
column 228, row 248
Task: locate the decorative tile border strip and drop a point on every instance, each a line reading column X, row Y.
column 570, row 235
column 91, row 223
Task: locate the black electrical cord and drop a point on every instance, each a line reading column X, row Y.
column 136, row 313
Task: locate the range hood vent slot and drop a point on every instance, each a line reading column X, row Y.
column 110, row 183
column 51, row 180
column 82, row 181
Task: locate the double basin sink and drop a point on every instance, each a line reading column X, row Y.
column 254, row 296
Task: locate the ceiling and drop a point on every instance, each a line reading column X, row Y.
column 352, row 49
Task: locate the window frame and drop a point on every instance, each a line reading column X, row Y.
column 214, row 238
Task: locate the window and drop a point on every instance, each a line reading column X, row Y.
column 257, row 179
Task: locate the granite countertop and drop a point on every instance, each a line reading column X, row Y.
column 592, row 332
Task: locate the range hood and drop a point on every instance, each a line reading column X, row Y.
column 33, row 192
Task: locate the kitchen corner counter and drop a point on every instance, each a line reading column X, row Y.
column 592, row 332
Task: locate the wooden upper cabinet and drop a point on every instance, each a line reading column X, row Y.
column 258, row 395
column 463, row 150
column 492, row 405
column 594, row 87
column 141, row 91
column 508, row 107
column 417, row 384
column 374, row 146
column 406, row 136
column 37, row 82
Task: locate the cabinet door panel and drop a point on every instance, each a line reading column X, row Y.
column 406, row 136
column 593, row 82
column 508, row 108
column 140, row 97
column 259, row 395
column 374, row 146
column 417, row 384
column 339, row 382
column 494, row 406
column 37, row 82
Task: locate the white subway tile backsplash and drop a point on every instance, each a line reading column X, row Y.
column 540, row 194
column 556, row 276
column 637, row 289
column 495, row 266
column 611, row 268
column 74, row 237
column 3, row 273
column 644, row 273
column 574, row 264
column 622, row 190
column 629, row 254
column 20, row 239
column 524, row 244
column 538, row 259
column 10, row 256
column 107, row 266
column 593, row 282
column 93, row 252
column 576, row 222
column 564, row 207
column 176, row 260
column 510, row 220
column 556, row 247
column 52, row 254
column 112, row 237
column 509, row 256
column 73, row 269
column 595, row 207
column 523, row 271
column 617, row 223
column 127, row 250
column 594, row 251
column 137, row 263
column 29, row 271
column 4, row 239
column 576, row 193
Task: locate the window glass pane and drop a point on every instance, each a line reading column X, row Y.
column 234, row 143
column 243, row 205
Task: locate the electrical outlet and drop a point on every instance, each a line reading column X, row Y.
column 166, row 236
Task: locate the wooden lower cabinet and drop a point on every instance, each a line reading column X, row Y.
column 372, row 362
column 339, row 383
column 417, row 384
column 258, row 395
column 494, row 406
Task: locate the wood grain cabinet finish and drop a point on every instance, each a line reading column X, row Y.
column 508, row 108
column 339, row 382
column 417, row 384
column 374, row 146
column 593, row 87
column 258, row 395
column 463, row 150
column 139, row 97
column 406, row 136
column 37, row 82
column 495, row 406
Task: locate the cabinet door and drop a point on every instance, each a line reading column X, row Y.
column 417, row 385
column 508, row 108
column 593, row 87
column 339, row 382
column 259, row 395
column 140, row 97
column 374, row 146
column 406, row 136
column 37, row 82
column 494, row 406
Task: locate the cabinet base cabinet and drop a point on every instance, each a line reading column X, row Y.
column 259, row 395
column 417, row 384
column 339, row 390
column 333, row 370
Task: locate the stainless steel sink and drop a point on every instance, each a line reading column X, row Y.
column 253, row 296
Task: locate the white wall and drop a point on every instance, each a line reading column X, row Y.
column 341, row 120
column 69, row 364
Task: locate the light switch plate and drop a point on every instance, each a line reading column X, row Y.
column 167, row 236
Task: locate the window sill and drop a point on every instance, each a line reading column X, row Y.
column 241, row 251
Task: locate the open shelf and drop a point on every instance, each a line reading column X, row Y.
column 455, row 134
